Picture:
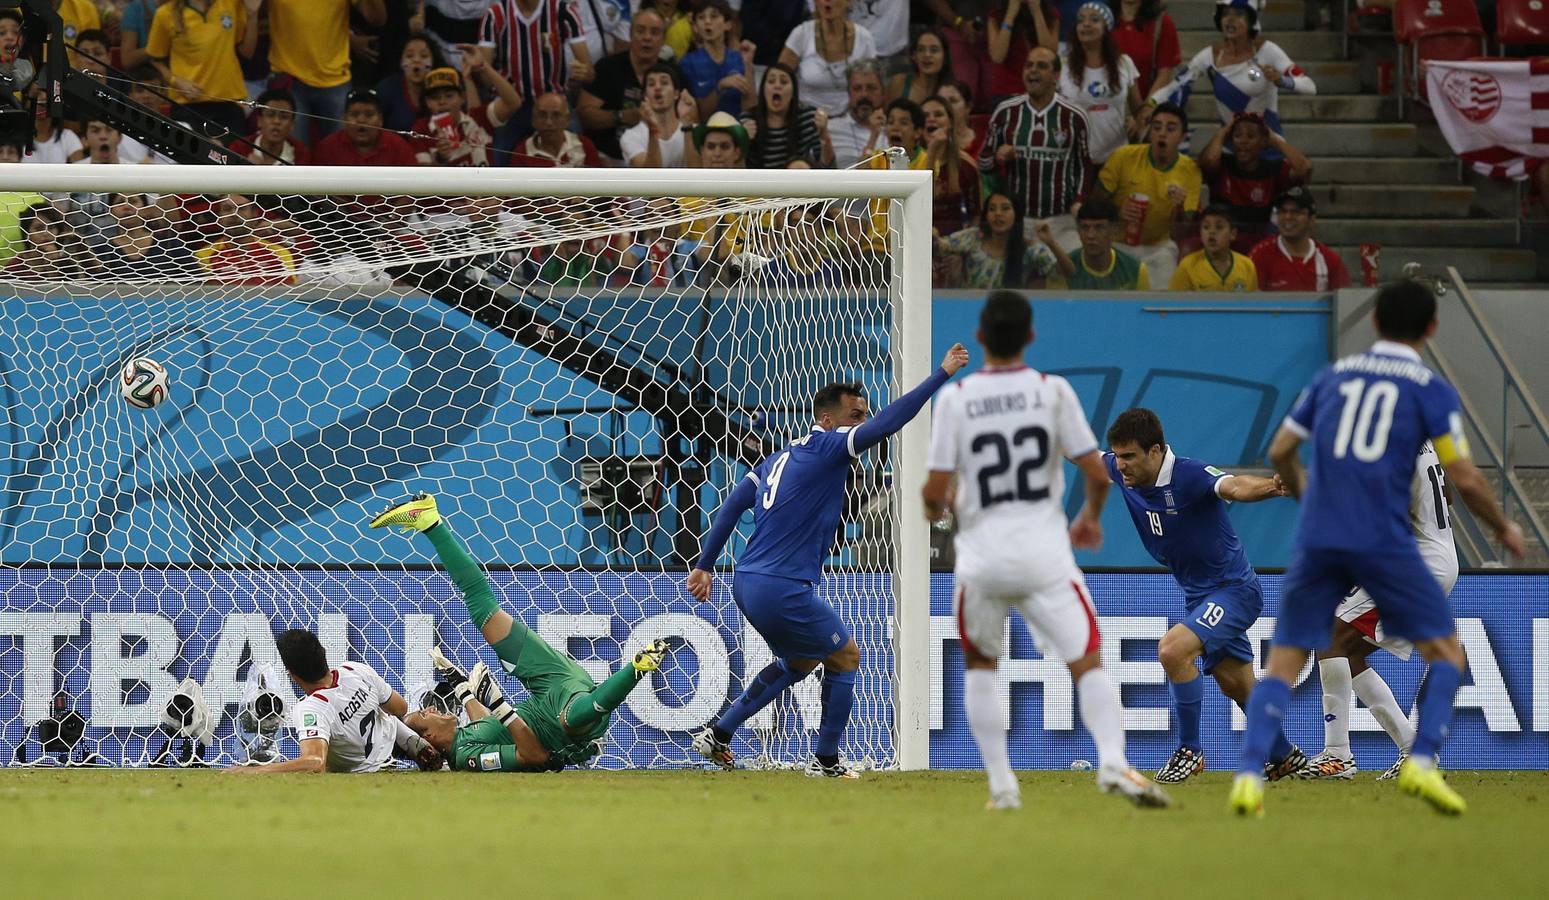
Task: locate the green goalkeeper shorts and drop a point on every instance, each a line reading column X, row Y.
column 553, row 679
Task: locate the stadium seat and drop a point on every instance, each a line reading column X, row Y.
column 1522, row 22
column 1433, row 29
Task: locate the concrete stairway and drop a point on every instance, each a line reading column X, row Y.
column 1376, row 179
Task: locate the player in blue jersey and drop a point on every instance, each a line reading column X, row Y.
column 797, row 497
column 1366, row 417
column 1178, row 505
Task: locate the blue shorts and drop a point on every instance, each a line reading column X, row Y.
column 787, row 612
column 1222, row 618
column 1409, row 599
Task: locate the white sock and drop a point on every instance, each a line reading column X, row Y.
column 1104, row 717
column 1335, row 676
column 981, row 703
column 1378, row 697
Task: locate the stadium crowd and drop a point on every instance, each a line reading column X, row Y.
column 1057, row 131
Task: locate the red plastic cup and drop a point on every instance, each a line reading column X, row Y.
column 1371, row 263
column 445, row 125
column 1132, row 230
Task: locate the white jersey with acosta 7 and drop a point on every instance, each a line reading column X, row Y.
column 348, row 715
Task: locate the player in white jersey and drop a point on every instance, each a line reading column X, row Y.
column 1002, row 433
column 1358, row 632
column 349, row 720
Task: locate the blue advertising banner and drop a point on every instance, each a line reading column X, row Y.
column 117, row 640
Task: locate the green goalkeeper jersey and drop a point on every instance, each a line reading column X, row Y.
column 486, row 746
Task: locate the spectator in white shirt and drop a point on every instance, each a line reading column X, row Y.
column 821, row 49
column 669, row 111
column 855, row 130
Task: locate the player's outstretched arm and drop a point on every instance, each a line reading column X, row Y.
column 739, row 501
column 1086, row 532
column 1476, row 495
column 1288, row 464
column 1250, row 488
column 313, row 759
column 898, row 413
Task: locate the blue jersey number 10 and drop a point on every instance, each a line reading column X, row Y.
column 1366, row 419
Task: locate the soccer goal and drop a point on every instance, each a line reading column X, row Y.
column 578, row 363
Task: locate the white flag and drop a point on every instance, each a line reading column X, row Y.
column 1494, row 113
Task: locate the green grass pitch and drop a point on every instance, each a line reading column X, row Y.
column 749, row 834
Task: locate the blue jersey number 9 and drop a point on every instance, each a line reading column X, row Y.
column 1365, row 420
column 773, row 484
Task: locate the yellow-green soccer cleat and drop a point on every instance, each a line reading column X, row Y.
column 418, row 513
column 650, row 659
column 1247, row 797
column 1427, row 783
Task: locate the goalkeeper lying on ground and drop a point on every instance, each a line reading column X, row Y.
column 564, row 720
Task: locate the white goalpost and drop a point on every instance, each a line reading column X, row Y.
column 579, row 363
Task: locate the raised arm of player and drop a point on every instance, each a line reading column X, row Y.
column 898, row 413
column 1086, row 532
column 738, row 502
column 1249, row 488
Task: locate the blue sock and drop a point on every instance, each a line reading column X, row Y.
column 1188, row 697
column 1266, row 710
column 1282, row 746
column 767, row 685
column 1436, row 698
column 838, row 699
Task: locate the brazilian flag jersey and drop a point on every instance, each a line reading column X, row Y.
column 1124, row 273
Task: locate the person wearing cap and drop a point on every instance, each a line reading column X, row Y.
column 711, row 240
column 1246, row 72
column 309, row 41
column 551, row 144
column 453, row 137
column 194, row 45
column 1156, row 188
column 1247, row 177
column 1294, row 260
column 362, row 141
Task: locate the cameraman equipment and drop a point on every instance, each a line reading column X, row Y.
column 263, row 712
column 186, row 717
column 60, row 734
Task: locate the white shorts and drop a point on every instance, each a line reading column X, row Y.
column 1360, row 610
column 1059, row 614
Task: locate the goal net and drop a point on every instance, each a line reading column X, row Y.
column 578, row 365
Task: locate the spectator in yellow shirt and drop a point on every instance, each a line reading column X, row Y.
column 194, row 45
column 309, row 41
column 1156, row 188
column 1217, row 267
column 77, row 16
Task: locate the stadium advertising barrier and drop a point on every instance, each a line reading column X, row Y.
column 120, row 659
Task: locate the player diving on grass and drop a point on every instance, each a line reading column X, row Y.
column 1003, row 433
column 797, row 497
column 1178, row 506
column 566, row 715
column 1366, row 417
column 1358, row 632
column 347, row 720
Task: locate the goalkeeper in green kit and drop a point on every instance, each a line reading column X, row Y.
column 564, row 719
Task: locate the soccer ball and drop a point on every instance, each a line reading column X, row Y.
column 144, row 382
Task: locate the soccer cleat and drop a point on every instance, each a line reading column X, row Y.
column 1427, row 783
column 1393, row 770
column 1327, row 766
column 840, row 769
column 1247, row 797
column 707, row 745
column 650, row 659
column 418, row 513
column 1133, row 786
column 1184, row 764
column 1004, row 800
column 1287, row 766
column 446, row 670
